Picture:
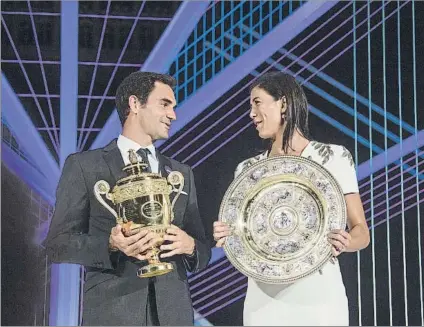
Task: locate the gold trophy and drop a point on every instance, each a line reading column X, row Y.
column 142, row 201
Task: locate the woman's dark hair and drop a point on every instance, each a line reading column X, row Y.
column 279, row 85
column 139, row 84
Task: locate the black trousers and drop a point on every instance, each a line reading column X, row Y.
column 152, row 318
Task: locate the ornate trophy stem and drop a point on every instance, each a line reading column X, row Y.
column 155, row 266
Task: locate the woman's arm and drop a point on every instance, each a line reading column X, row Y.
column 357, row 224
column 358, row 236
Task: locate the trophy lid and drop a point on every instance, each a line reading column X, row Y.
column 136, row 166
column 136, row 170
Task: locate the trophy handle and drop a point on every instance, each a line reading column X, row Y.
column 176, row 178
column 103, row 188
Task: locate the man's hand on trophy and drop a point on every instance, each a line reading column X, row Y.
column 135, row 245
column 180, row 242
column 220, row 231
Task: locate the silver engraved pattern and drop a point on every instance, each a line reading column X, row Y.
column 282, row 209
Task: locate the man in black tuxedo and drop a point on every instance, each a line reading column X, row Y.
column 84, row 232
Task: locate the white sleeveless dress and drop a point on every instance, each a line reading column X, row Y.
column 319, row 299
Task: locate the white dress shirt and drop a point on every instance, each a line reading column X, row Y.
column 125, row 144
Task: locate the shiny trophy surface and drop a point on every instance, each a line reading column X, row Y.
column 281, row 210
column 141, row 200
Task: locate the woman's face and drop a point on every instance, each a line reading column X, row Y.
column 266, row 113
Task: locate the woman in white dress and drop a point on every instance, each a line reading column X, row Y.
column 279, row 112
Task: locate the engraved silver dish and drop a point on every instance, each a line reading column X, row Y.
column 281, row 210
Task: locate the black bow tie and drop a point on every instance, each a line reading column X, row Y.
column 143, row 154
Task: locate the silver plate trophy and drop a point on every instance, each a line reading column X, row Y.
column 281, row 210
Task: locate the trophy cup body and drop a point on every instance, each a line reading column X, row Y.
column 141, row 200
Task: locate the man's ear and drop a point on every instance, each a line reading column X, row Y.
column 132, row 104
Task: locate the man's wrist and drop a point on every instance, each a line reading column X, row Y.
column 193, row 250
column 111, row 247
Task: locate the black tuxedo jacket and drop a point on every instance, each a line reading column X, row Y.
column 79, row 233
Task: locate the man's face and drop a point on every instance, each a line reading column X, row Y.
column 156, row 115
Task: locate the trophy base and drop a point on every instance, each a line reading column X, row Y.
column 155, row 269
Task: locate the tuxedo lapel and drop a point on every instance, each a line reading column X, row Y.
column 165, row 166
column 114, row 160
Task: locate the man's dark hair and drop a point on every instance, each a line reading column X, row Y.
column 279, row 85
column 139, row 84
